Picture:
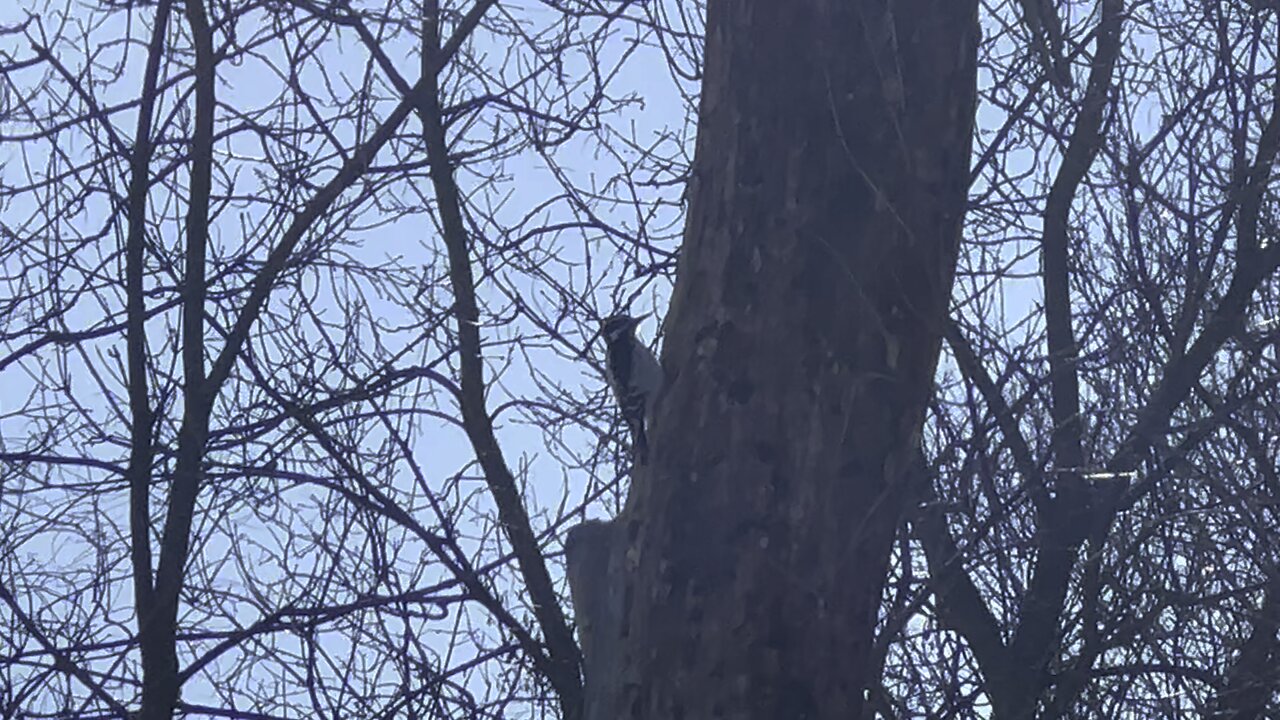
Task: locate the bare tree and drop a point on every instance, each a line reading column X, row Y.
column 1096, row 516
column 299, row 395
column 265, row 266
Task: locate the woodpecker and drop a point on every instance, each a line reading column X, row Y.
column 634, row 374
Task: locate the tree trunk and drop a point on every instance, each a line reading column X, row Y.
column 830, row 182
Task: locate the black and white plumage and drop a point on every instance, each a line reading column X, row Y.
column 634, row 374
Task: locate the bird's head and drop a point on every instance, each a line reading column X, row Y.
column 618, row 326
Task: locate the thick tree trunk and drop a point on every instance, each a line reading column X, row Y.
column 830, row 181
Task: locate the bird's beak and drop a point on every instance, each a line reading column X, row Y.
column 636, row 320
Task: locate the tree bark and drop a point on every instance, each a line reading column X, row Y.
column 830, row 182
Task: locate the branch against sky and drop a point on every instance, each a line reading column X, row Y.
column 223, row 308
column 1116, row 437
column 347, row 554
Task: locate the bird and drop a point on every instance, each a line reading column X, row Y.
column 634, row 374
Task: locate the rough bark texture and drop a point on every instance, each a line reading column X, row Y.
column 830, row 180
column 595, row 570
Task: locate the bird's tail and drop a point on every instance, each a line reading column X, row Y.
column 639, row 443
